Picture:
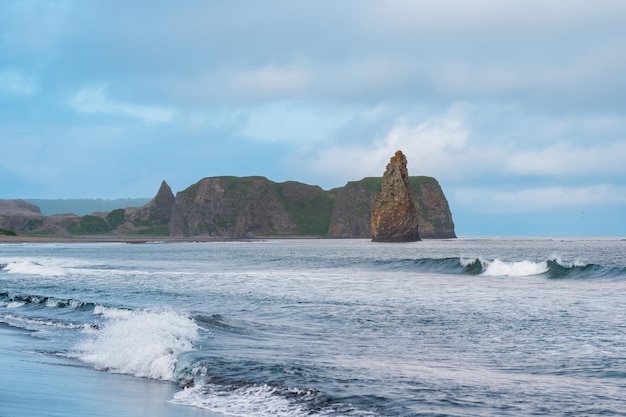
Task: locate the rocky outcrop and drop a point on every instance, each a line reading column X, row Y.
column 394, row 216
column 353, row 208
column 22, row 217
column 19, row 215
column 433, row 212
column 161, row 206
column 242, row 207
column 230, row 207
column 152, row 218
column 18, row 207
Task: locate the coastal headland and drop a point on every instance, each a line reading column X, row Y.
column 228, row 207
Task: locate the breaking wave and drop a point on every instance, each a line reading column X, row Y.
column 143, row 343
column 32, row 268
column 60, row 268
column 19, row 300
column 551, row 268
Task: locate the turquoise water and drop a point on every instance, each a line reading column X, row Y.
column 464, row 327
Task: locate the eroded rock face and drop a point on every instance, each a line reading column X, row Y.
column 18, row 207
column 244, row 207
column 157, row 211
column 230, row 207
column 394, row 216
column 352, row 209
column 18, row 215
column 22, row 217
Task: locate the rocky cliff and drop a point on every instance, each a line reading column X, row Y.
column 18, row 214
column 22, row 217
column 353, row 207
column 394, row 216
column 230, row 207
column 256, row 206
column 244, row 207
column 151, row 219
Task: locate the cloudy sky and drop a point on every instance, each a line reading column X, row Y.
column 518, row 108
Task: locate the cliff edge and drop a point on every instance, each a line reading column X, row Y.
column 241, row 207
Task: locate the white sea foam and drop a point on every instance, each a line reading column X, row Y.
column 469, row 261
column 513, row 269
column 575, row 263
column 258, row 401
column 144, row 343
column 15, row 304
column 51, row 302
column 60, row 267
column 37, row 324
column 254, row 400
column 33, row 268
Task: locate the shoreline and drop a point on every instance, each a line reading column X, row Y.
column 40, row 385
column 8, row 239
column 144, row 239
column 116, row 239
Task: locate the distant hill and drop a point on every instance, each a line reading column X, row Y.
column 84, row 206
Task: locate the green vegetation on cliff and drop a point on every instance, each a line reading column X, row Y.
column 310, row 207
column 353, row 206
column 90, row 225
column 116, row 218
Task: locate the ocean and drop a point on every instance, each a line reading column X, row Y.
column 460, row 327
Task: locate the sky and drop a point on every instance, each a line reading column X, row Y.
column 517, row 108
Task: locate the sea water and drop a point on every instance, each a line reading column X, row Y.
column 464, row 327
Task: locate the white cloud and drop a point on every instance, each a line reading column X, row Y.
column 95, row 100
column 15, row 82
column 431, row 148
column 566, row 160
column 540, row 199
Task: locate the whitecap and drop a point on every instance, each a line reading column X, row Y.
column 15, row 304
column 259, row 400
column 33, row 268
column 514, row 269
column 143, row 343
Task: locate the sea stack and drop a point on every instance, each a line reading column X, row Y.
column 394, row 216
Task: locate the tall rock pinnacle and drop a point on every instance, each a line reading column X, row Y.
column 394, row 217
column 164, row 202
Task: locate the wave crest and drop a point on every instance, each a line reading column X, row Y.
column 553, row 267
column 499, row 268
column 53, row 302
column 33, row 268
column 143, row 343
